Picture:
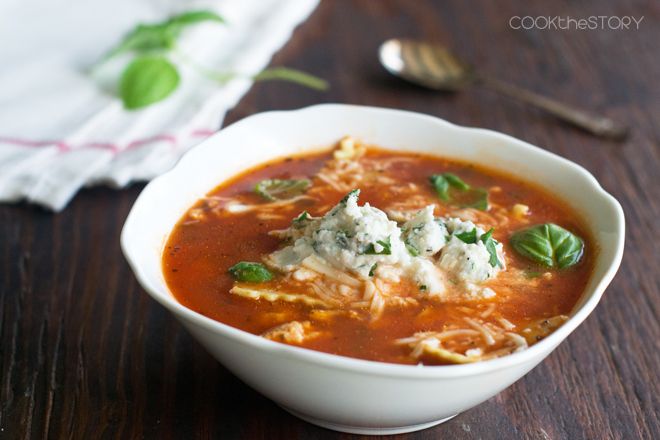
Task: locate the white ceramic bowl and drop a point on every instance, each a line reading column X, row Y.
column 333, row 391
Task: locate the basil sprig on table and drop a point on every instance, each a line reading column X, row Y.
column 281, row 189
column 163, row 35
column 250, row 272
column 153, row 75
column 464, row 195
column 147, row 80
column 549, row 245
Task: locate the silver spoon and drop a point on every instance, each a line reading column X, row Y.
column 435, row 67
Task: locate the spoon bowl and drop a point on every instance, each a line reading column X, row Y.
column 426, row 64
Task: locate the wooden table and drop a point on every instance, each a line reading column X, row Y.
column 86, row 354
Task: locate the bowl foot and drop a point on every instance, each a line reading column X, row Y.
column 365, row 430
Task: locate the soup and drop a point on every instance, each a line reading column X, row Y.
column 382, row 255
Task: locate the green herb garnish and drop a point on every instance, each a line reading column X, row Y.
column 412, row 250
column 490, row 244
column 372, row 271
column 302, row 218
column 549, row 245
column 464, row 195
column 387, row 248
column 476, row 198
column 441, row 185
column 456, row 181
column 250, row 272
column 281, row 189
column 355, row 192
column 469, row 237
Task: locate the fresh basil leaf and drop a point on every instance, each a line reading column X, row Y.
column 372, row 271
column 162, row 35
column 456, row 181
column 568, row 247
column 355, row 192
column 486, row 236
column 441, row 185
column 469, row 237
column 178, row 22
column 548, row 244
column 303, row 218
column 250, row 272
column 145, row 38
column 281, row 189
column 476, row 198
column 292, row 75
column 465, row 196
column 387, row 248
column 147, row 80
column 412, row 250
column 490, row 244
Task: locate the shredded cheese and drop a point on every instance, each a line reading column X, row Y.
column 316, row 264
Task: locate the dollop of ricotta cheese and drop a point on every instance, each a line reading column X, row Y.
column 349, row 237
column 468, row 262
column 424, row 234
column 362, row 240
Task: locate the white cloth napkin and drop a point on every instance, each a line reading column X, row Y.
column 59, row 129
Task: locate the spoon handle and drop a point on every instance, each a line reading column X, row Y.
column 598, row 125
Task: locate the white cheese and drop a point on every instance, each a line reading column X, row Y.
column 389, row 273
column 467, row 262
column 286, row 259
column 457, row 226
column 349, row 237
column 475, row 292
column 303, row 274
column 423, row 233
column 427, row 276
column 363, row 241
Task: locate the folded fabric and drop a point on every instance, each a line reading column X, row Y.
column 60, row 128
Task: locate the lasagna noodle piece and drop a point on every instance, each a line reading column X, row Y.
column 273, row 295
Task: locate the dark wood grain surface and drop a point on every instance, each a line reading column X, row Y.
column 86, row 354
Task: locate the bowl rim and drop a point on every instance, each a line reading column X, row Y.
column 301, row 354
